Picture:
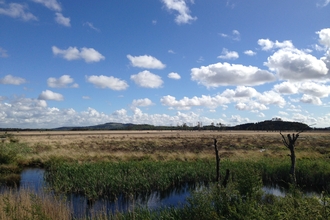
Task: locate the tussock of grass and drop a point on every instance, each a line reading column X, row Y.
column 25, row 204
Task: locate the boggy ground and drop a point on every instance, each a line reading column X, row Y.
column 165, row 145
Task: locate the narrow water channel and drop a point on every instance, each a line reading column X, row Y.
column 33, row 179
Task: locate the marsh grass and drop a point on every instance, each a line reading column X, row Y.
column 111, row 179
column 26, row 204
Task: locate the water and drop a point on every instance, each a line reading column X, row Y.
column 33, row 178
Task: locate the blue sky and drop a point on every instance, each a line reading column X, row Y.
column 163, row 62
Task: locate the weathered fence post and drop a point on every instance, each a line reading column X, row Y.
column 217, row 159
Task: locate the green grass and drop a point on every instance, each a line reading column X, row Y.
column 97, row 179
column 111, row 179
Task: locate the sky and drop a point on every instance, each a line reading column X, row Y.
column 163, row 62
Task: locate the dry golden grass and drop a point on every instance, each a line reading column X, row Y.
column 166, row 145
column 26, row 204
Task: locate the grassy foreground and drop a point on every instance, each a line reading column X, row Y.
column 105, row 165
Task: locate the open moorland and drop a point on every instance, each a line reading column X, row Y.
column 104, row 164
column 164, row 145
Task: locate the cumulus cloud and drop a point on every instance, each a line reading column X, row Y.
column 142, row 102
column 60, row 19
column 286, row 88
column 12, row 80
column 267, row 44
column 251, row 105
column 173, row 75
column 107, row 82
column 295, row 65
column 147, row 79
column 187, row 103
column 181, row 8
column 250, row 53
column 16, row 10
column 311, row 99
column 146, row 61
column 50, row 4
column 324, row 36
column 50, row 95
column 90, row 55
column 314, row 89
column 224, row 74
column 61, row 82
column 228, row 55
column 3, row 53
column 271, row 98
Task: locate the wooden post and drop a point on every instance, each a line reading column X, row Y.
column 217, row 159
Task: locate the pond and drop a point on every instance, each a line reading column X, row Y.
column 33, row 179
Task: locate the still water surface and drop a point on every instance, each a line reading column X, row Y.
column 34, row 180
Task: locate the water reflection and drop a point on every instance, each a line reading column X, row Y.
column 33, row 179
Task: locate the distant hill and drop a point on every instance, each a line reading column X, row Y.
column 270, row 125
column 273, row 126
column 259, row 126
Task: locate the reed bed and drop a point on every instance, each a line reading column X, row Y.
column 111, row 179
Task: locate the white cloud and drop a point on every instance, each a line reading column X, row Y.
column 86, row 97
column 107, row 82
column 142, row 102
column 251, row 105
column 271, row 98
column 324, row 37
column 200, row 59
column 311, row 99
column 146, row 61
column 12, row 80
column 50, row 4
column 228, row 55
column 61, row 82
column 60, row 19
column 147, row 79
column 286, row 88
column 235, row 35
column 267, row 44
column 173, row 75
column 72, row 53
column 315, row 89
column 324, row 3
column 295, row 65
column 250, row 53
column 187, row 103
column 3, row 53
column 181, row 7
column 171, row 51
column 16, row 10
column 90, row 25
column 237, row 119
column 50, row 95
column 224, row 74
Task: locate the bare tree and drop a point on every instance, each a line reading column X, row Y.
column 290, row 143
